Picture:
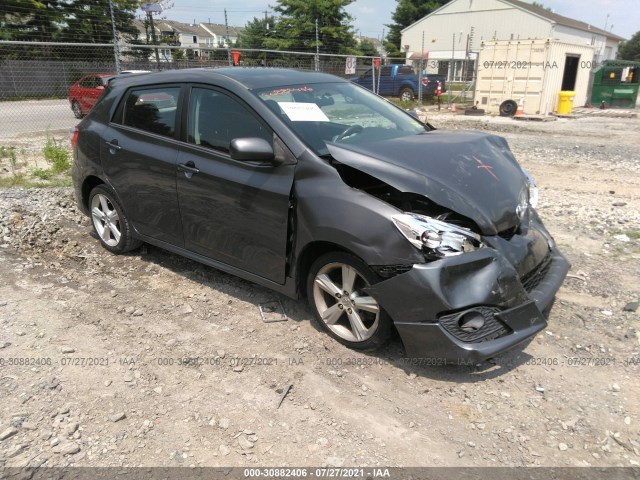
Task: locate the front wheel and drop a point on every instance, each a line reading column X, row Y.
column 77, row 111
column 109, row 221
column 406, row 94
column 340, row 306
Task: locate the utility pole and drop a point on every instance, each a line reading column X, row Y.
column 226, row 25
column 420, row 73
column 153, row 37
column 266, row 31
column 317, row 48
column 149, row 8
column 452, row 70
column 116, row 47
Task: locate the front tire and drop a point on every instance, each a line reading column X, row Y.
column 340, row 307
column 109, row 222
column 406, row 94
column 77, row 110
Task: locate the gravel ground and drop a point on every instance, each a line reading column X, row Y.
column 93, row 346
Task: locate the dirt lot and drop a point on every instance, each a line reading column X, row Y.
column 92, row 346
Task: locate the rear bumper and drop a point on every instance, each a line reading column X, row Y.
column 431, row 302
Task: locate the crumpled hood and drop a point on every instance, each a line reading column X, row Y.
column 473, row 174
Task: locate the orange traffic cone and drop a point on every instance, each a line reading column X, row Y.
column 520, row 109
column 453, row 108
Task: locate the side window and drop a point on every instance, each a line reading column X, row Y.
column 216, row 118
column 385, row 72
column 405, row 71
column 152, row 110
column 87, row 83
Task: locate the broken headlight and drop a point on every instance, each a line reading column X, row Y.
column 436, row 238
column 533, row 189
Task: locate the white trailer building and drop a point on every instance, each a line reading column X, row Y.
column 452, row 35
column 531, row 74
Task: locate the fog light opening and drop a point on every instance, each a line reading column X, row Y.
column 471, row 321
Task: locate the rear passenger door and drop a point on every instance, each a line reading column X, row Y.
column 139, row 160
column 232, row 211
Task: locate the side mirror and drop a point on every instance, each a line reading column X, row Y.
column 252, row 149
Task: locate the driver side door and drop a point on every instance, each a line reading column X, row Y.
column 232, row 211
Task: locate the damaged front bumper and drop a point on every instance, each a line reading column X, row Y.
column 470, row 307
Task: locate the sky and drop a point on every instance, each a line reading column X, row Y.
column 372, row 15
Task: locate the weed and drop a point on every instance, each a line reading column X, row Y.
column 42, row 174
column 56, row 155
column 13, row 160
column 15, row 180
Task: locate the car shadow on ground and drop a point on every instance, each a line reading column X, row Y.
column 392, row 354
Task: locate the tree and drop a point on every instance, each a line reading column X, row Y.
column 367, row 48
column 407, row 12
column 295, row 29
column 538, row 4
column 630, row 50
column 256, row 33
column 31, row 20
column 89, row 21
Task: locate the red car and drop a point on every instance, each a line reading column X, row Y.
column 85, row 92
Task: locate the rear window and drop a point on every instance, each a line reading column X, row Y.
column 152, row 110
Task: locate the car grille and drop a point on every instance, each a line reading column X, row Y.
column 532, row 279
column 492, row 328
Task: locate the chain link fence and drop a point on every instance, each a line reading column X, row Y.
column 35, row 78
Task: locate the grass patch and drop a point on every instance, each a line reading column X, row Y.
column 10, row 154
column 43, row 174
column 22, row 180
column 56, row 155
column 632, row 234
column 57, row 175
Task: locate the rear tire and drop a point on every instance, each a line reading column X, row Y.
column 406, row 94
column 109, row 222
column 77, row 110
column 340, row 307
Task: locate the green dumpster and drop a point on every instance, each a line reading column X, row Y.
column 615, row 84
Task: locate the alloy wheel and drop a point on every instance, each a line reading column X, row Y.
column 347, row 311
column 105, row 220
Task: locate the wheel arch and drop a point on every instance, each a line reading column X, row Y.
column 89, row 184
column 406, row 86
column 309, row 253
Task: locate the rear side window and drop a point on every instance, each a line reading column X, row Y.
column 405, row 71
column 152, row 110
column 89, row 82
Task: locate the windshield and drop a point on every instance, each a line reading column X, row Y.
column 338, row 113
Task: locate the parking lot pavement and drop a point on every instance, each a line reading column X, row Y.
column 29, row 116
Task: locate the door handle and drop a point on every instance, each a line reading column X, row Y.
column 113, row 146
column 188, row 168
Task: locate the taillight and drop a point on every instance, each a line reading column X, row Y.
column 74, row 137
column 425, row 81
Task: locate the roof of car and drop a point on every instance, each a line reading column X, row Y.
column 252, row 78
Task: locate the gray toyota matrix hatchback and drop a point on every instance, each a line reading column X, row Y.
column 313, row 186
